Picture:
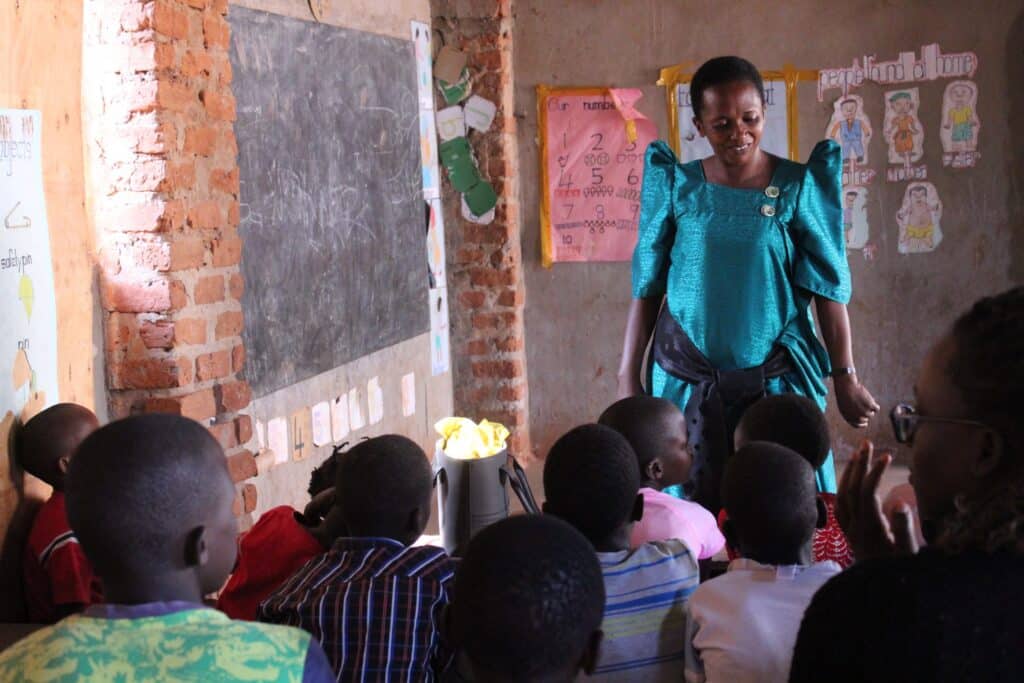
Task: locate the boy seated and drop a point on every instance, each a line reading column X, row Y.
column 591, row 481
column 278, row 545
column 373, row 600
column 150, row 499
column 656, row 429
column 797, row 423
column 743, row 624
column 58, row 578
column 527, row 602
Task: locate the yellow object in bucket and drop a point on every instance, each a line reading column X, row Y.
column 464, row 439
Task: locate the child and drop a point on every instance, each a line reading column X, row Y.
column 656, row 429
column 373, row 600
column 591, row 481
column 743, row 624
column 797, row 423
column 277, row 546
column 527, row 602
column 58, row 578
column 150, row 499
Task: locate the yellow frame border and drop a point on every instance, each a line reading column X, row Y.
column 545, row 92
column 671, row 76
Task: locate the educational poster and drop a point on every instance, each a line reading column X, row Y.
column 906, row 68
column 775, row 138
column 440, row 356
column 435, row 244
column 28, row 309
column 919, row 218
column 855, row 217
column 424, row 57
column 428, row 155
column 851, row 128
column 960, row 124
column 592, row 164
column 903, row 130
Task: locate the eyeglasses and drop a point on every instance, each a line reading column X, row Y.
column 905, row 421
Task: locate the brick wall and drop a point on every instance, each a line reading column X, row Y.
column 163, row 180
column 485, row 261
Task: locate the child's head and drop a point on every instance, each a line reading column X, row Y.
column 656, row 429
column 324, row 475
column 901, row 102
column 383, row 489
column 528, row 601
column 46, row 443
column 851, row 198
column 961, row 93
column 591, row 481
column 849, row 108
column 919, row 194
column 150, row 500
column 789, row 420
column 770, row 496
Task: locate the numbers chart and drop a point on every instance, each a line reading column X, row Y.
column 591, row 176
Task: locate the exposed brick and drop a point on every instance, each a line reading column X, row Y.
column 225, row 181
column 213, row 365
column 236, row 286
column 204, row 215
column 237, row 358
column 208, row 290
column 179, row 175
column 219, row 6
column 147, row 254
column 472, row 298
column 219, row 106
column 466, row 256
column 236, row 506
column 195, row 62
column 477, row 347
column 224, row 432
column 199, row 405
column 177, row 294
column 170, row 19
column 215, row 30
column 233, row 396
column 487, row 60
column 511, row 298
column 229, row 324
column 249, row 497
column 136, row 294
column 187, row 253
column 505, row 369
column 198, row 4
column 201, row 140
column 491, row 277
column 243, row 428
column 147, row 373
column 142, row 216
column 227, row 252
column 509, row 344
column 241, row 465
column 136, row 16
column 174, row 95
column 512, row 393
column 157, row 334
column 190, row 331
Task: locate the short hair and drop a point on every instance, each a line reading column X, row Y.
column 640, row 419
column 528, row 595
column 136, row 485
column 324, row 475
column 852, row 193
column 848, row 100
column 901, row 96
column 378, row 480
column 719, row 70
column 790, row 420
column 591, row 480
column 770, row 496
column 49, row 436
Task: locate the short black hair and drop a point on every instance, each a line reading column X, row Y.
column 324, row 475
column 770, row 496
column 721, row 70
column 379, row 481
column 591, row 480
column 136, row 485
column 791, row 420
column 49, row 436
column 528, row 595
column 640, row 419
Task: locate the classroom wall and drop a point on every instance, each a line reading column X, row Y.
column 575, row 313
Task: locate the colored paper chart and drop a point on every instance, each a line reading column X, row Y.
column 28, row 309
column 592, row 161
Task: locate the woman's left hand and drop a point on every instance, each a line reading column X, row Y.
column 856, row 404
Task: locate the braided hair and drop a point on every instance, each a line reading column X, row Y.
column 987, row 367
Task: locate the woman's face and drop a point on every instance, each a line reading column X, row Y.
column 732, row 120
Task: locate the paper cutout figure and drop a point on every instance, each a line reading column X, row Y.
column 428, row 155
column 960, row 124
column 374, row 401
column 903, row 129
column 440, row 357
column 435, row 244
column 455, row 92
column 339, row 418
column 277, row 439
column 355, row 410
column 457, row 157
column 321, row 423
column 467, row 213
column 451, row 123
column 302, row 434
column 919, row 218
column 449, row 64
column 855, row 217
column 424, row 79
column 481, row 198
column 480, row 113
column 851, row 128
column 409, row 394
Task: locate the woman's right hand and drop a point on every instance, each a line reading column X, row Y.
column 643, row 314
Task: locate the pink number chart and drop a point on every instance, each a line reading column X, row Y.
column 592, row 159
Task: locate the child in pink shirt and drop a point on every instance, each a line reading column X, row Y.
column 656, row 429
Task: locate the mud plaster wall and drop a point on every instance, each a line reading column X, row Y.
column 575, row 313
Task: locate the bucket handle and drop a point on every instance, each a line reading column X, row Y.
column 521, row 486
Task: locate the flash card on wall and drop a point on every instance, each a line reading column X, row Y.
column 480, row 113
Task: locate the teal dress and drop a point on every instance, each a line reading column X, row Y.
column 739, row 268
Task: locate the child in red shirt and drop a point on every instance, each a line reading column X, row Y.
column 59, row 580
column 280, row 543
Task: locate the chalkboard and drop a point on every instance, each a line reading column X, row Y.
column 332, row 218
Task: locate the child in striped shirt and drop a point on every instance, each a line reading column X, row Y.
column 592, row 481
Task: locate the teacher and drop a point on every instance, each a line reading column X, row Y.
column 737, row 246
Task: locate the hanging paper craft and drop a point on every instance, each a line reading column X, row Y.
column 960, row 124
column 457, row 157
column 450, row 63
column 480, row 113
column 374, row 401
column 851, row 128
column 424, row 82
column 451, row 124
column 428, row 155
column 918, row 219
column 485, row 219
column 481, row 198
column 440, row 358
column 592, row 159
column 454, row 92
column 903, row 129
column 321, row 415
column 435, row 244
column 339, row 418
column 855, row 217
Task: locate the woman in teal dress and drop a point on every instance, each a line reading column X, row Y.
column 737, row 246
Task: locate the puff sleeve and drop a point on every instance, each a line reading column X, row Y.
column 817, row 227
column 657, row 227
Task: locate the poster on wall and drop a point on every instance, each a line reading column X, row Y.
column 851, row 128
column 592, row 161
column 440, row 356
column 960, row 124
column 775, row 138
column 28, row 309
column 903, row 130
column 919, row 219
column 855, row 217
column 424, row 58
